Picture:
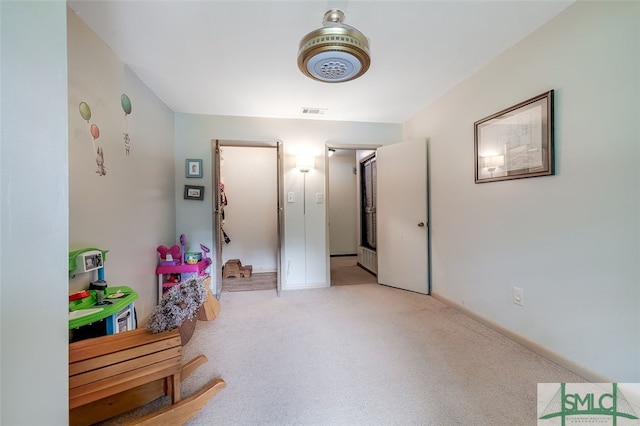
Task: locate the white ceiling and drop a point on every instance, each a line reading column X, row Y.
column 239, row 57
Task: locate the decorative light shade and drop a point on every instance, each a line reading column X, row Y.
column 304, row 162
column 334, row 53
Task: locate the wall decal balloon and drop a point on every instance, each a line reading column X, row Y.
column 95, row 131
column 126, row 107
column 85, row 111
column 126, row 104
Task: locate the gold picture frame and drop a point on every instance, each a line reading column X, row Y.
column 516, row 142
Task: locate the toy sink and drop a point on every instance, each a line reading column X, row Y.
column 83, row 313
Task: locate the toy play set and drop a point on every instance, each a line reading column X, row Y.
column 100, row 310
column 177, row 266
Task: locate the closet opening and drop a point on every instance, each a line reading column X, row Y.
column 247, row 215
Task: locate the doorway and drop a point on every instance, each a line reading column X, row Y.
column 345, row 209
column 402, row 226
column 247, row 215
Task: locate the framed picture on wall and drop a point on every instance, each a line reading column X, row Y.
column 192, row 192
column 516, row 142
column 193, row 168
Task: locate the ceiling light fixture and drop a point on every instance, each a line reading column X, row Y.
column 334, row 53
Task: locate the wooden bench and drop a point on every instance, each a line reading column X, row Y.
column 112, row 374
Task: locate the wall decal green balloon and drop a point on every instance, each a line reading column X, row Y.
column 126, row 104
column 85, row 111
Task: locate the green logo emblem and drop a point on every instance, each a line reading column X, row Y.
column 589, row 405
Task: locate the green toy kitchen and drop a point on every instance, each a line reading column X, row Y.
column 100, row 309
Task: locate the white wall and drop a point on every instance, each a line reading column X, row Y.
column 305, row 234
column 33, row 214
column 250, row 179
column 130, row 211
column 571, row 241
column 343, row 203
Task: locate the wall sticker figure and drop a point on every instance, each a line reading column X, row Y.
column 101, row 171
column 126, row 107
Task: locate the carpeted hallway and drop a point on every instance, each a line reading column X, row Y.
column 359, row 355
column 345, row 271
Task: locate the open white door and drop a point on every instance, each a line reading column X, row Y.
column 402, row 216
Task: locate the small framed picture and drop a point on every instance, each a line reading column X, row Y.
column 193, row 168
column 192, row 192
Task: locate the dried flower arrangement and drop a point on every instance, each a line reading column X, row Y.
column 178, row 304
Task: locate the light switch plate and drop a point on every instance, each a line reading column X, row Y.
column 291, row 197
column 518, row 296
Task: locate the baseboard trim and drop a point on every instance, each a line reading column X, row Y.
column 366, row 269
column 304, row 286
column 561, row 360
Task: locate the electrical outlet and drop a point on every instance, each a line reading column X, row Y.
column 518, row 296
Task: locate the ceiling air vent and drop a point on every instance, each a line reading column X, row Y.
column 313, row 111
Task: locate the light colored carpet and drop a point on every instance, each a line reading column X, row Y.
column 345, row 271
column 359, row 355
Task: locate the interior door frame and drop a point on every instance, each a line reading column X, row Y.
column 216, row 216
column 217, row 144
column 327, row 147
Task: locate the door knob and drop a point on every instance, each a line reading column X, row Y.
column 421, row 224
